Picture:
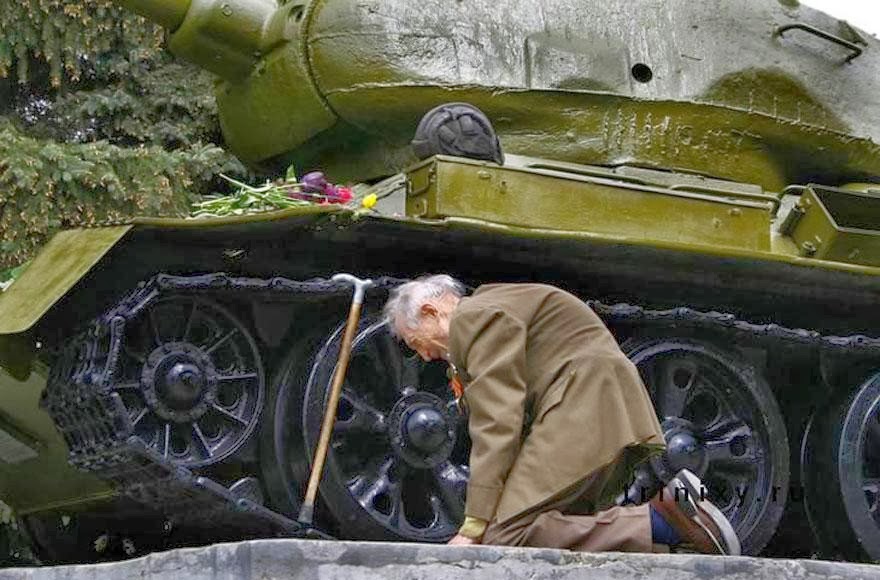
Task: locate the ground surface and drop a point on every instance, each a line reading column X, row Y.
column 318, row 560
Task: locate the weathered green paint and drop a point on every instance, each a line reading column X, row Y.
column 771, row 89
column 341, row 85
column 837, row 225
column 17, row 352
column 499, row 219
column 46, row 481
column 588, row 239
column 281, row 99
column 269, row 216
column 551, row 198
column 865, row 187
column 611, row 130
column 63, row 262
column 224, row 36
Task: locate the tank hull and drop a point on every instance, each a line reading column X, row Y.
column 708, row 245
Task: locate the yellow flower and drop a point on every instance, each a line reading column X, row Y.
column 369, row 201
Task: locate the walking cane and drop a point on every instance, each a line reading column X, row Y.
column 307, row 511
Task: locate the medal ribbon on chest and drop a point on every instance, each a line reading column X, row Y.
column 455, row 384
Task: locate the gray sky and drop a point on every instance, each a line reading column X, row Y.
column 864, row 14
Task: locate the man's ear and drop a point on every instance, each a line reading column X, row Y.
column 428, row 309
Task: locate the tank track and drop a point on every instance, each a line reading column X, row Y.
column 100, row 435
column 99, row 432
column 734, row 328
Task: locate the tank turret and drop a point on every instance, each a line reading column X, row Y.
column 764, row 92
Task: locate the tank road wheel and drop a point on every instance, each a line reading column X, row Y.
column 722, row 422
column 397, row 466
column 840, row 461
column 191, row 379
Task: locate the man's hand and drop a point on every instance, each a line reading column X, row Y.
column 460, row 540
column 470, row 532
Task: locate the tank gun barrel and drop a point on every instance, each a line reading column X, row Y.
column 226, row 37
column 267, row 98
column 167, row 13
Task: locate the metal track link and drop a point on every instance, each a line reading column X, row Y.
column 620, row 313
column 100, row 435
column 730, row 325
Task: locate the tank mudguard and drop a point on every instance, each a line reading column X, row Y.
column 61, row 263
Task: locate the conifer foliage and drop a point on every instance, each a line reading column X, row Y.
column 97, row 122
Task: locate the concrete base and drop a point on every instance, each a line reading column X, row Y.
column 319, row 560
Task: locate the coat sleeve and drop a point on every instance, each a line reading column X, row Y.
column 493, row 352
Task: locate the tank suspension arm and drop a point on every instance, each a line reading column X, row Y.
column 225, row 37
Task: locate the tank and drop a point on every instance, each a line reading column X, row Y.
column 704, row 174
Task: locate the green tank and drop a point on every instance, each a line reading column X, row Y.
column 705, row 174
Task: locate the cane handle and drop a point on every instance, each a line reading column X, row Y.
column 360, row 286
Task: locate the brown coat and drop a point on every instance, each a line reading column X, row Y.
column 551, row 398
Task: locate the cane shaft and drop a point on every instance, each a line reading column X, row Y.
column 330, row 415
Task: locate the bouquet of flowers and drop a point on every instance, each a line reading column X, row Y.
column 312, row 189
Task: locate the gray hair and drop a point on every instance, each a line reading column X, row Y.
column 407, row 299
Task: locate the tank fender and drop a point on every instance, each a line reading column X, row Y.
column 61, row 263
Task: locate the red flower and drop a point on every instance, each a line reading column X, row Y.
column 343, row 194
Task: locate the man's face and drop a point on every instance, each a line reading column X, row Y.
column 430, row 336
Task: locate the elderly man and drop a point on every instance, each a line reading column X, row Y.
column 558, row 419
